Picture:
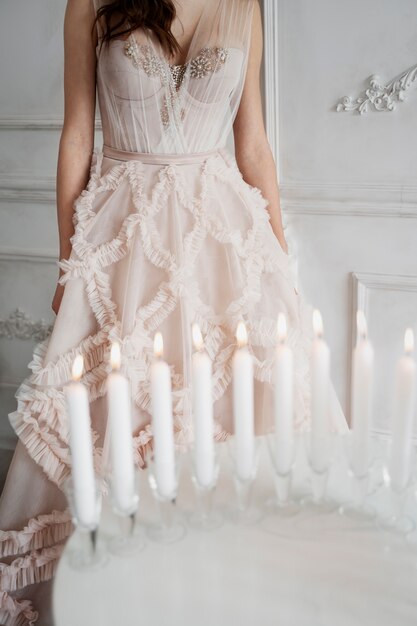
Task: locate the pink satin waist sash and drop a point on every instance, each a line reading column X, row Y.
column 162, row 159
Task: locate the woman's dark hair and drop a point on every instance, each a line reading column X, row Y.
column 123, row 16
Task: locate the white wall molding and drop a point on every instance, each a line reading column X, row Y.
column 29, row 255
column 271, row 73
column 341, row 199
column 20, row 122
column 26, row 188
column 362, row 284
column 379, row 97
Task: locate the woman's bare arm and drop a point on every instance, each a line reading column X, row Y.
column 77, row 138
column 252, row 150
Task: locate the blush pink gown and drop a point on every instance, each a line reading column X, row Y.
column 167, row 233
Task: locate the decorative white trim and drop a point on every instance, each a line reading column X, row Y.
column 380, row 97
column 362, row 283
column 270, row 74
column 28, row 122
column 342, row 199
column 18, row 325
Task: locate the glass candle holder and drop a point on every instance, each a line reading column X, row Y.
column 244, row 512
column 359, row 473
column 168, row 528
column 129, row 540
column 205, row 517
column 282, row 456
column 88, row 552
column 317, row 500
column 395, row 516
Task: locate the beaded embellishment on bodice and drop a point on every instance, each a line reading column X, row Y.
column 209, row 59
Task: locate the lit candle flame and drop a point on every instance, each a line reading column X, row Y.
column 317, row 323
column 158, row 344
column 197, row 337
column 281, row 328
column 241, row 335
column 115, row 356
column 77, row 367
column 409, row 341
column 361, row 324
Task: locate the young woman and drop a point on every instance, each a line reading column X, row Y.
column 161, row 227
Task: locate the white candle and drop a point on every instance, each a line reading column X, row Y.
column 283, row 378
column 202, row 403
column 121, row 444
column 162, row 422
column 81, row 446
column 243, row 405
column 403, row 415
column 320, row 396
column 361, row 400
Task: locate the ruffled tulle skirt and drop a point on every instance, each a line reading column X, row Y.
column 161, row 241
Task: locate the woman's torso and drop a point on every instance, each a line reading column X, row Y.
column 149, row 105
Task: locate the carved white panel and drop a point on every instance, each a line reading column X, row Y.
column 379, row 96
column 19, row 325
column 390, row 305
column 27, row 284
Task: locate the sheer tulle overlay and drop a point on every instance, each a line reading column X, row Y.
column 167, row 233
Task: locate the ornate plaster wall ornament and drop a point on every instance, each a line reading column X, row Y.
column 380, row 97
column 20, row 326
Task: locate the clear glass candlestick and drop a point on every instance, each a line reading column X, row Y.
column 395, row 516
column 282, row 504
column 359, row 473
column 205, row 517
column 317, row 500
column 411, row 535
column 129, row 540
column 168, row 529
column 245, row 512
column 87, row 552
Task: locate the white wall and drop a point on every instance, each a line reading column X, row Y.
column 348, row 186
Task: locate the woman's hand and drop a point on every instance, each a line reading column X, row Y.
column 56, row 300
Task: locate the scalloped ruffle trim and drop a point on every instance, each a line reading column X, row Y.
column 39, row 546
column 35, row 567
column 16, row 612
column 39, row 420
column 41, row 532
